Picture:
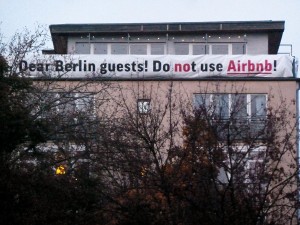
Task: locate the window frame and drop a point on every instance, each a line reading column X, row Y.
column 88, row 44
column 141, row 108
column 208, row 46
column 128, row 48
column 245, row 161
column 210, row 104
column 59, row 101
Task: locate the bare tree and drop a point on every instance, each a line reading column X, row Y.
column 140, row 153
column 256, row 159
column 172, row 163
column 45, row 124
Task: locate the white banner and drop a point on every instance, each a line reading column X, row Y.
column 158, row 67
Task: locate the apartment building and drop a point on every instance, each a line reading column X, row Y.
column 226, row 67
column 192, row 55
column 198, row 58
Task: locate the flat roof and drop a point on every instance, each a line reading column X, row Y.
column 274, row 29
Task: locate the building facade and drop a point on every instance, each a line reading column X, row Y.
column 232, row 69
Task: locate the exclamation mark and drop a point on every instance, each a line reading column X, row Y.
column 146, row 65
column 275, row 64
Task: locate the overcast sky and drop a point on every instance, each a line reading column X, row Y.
column 17, row 14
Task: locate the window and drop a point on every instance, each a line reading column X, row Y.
column 200, row 49
column 239, row 106
column 258, row 106
column 210, row 48
column 255, row 164
column 100, row 48
column 82, row 48
column 129, row 48
column 160, row 48
column 138, row 49
column 68, row 114
column 255, row 159
column 238, row 49
column 119, row 48
column 45, row 105
column 216, row 104
column 66, row 103
column 246, row 163
column 221, row 105
column 143, row 106
column 181, row 48
column 157, row 49
column 202, row 101
column 219, row 49
column 234, row 117
column 85, row 103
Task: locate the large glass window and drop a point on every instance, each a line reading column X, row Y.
column 219, row 49
column 119, row 48
column 246, row 160
column 100, row 48
column 200, row 49
column 84, row 102
column 157, row 49
column 138, row 49
column 82, row 48
column 202, row 101
column 258, row 106
column 238, row 48
column 181, row 48
column 217, row 104
column 221, row 105
column 240, row 106
column 67, row 103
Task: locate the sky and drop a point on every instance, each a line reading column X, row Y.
column 17, row 14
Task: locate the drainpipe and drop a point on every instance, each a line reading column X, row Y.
column 295, row 73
